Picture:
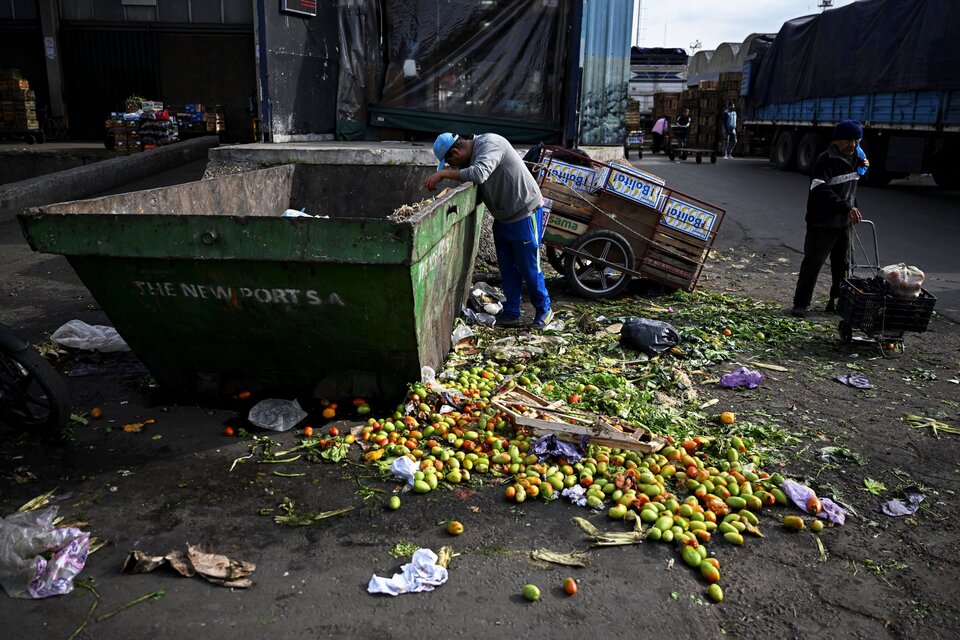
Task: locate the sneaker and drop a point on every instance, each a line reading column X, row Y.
column 503, row 320
column 542, row 320
column 798, row 312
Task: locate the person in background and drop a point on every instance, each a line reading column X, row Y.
column 660, row 129
column 729, row 130
column 512, row 196
column 831, row 211
column 682, row 129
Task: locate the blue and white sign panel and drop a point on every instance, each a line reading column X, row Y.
column 638, row 186
column 688, row 218
column 577, row 178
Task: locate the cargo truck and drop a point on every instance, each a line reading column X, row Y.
column 890, row 64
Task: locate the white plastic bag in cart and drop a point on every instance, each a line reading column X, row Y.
column 905, row 281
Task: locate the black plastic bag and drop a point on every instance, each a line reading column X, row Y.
column 652, row 337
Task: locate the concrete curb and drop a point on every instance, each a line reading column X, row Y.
column 81, row 182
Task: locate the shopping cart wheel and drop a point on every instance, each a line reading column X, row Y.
column 699, row 158
column 671, row 155
column 890, row 347
column 846, row 331
column 713, row 158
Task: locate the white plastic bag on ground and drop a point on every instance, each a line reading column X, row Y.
column 77, row 334
column 25, row 540
column 276, row 415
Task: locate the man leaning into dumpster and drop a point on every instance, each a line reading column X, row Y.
column 831, row 211
column 511, row 194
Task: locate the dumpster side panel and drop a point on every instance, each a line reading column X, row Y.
column 212, row 237
column 445, row 247
column 222, row 325
column 259, row 193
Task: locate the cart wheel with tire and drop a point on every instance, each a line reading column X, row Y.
column 596, row 267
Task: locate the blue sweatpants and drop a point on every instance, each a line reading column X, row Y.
column 518, row 255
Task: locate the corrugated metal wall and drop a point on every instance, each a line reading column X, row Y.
column 606, row 71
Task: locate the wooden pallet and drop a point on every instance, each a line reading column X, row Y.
column 566, row 423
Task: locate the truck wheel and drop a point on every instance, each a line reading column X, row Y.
column 946, row 176
column 783, row 155
column 592, row 279
column 807, row 152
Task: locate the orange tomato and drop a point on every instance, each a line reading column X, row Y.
column 569, row 586
column 243, row 395
column 727, row 417
column 334, row 431
column 573, row 399
column 329, row 412
column 228, row 431
column 727, row 332
column 308, row 432
column 96, row 413
column 813, row 505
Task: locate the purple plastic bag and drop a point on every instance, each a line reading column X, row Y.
column 550, row 446
column 800, row 494
column 742, row 377
column 900, row 508
column 854, row 380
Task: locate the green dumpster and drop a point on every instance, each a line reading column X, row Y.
column 216, row 292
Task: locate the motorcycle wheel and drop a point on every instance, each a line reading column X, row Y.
column 32, row 394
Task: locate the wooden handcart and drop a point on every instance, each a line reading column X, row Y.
column 609, row 223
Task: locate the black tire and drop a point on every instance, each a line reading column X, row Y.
column 807, row 152
column 683, row 155
column 605, row 282
column 671, row 155
column 713, row 158
column 639, row 154
column 846, row 331
column 946, row 176
column 626, row 153
column 783, row 151
column 699, row 158
column 557, row 259
column 32, row 394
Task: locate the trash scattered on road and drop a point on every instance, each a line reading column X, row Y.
column 651, row 337
column 405, row 469
column 921, row 422
column 896, row 507
column 801, row 496
column 486, row 299
column 422, row 573
column 37, row 558
column 574, row 559
column 771, row 367
column 77, row 334
column 276, row 414
column 841, row 455
column 197, row 560
column 857, row 380
column 742, row 377
column 610, row 538
column 549, row 446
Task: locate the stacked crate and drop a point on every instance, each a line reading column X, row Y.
column 666, row 104
column 633, row 115
column 18, row 103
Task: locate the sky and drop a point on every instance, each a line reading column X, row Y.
column 681, row 23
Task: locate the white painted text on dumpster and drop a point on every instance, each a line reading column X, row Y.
column 234, row 295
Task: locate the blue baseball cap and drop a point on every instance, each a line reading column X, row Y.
column 441, row 146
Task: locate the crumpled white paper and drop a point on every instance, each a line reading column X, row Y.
column 576, row 494
column 422, row 573
column 404, row 468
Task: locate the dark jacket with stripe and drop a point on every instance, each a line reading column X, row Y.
column 833, row 190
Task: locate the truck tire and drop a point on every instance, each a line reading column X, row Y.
column 946, row 172
column 807, row 152
column 783, row 151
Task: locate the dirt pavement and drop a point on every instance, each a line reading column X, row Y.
column 172, row 483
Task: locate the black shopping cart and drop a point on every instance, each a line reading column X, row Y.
column 866, row 305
